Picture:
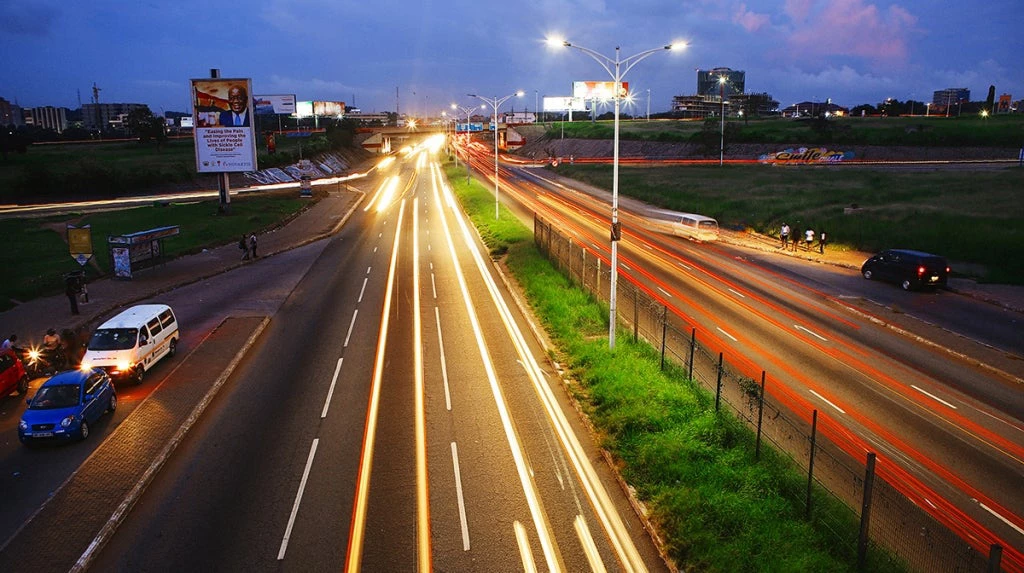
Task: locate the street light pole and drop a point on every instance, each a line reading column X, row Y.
column 468, row 111
column 495, row 103
column 648, row 105
column 614, row 69
column 721, row 96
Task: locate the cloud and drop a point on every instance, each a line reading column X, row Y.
column 27, row 18
column 850, row 28
column 843, row 82
column 751, row 21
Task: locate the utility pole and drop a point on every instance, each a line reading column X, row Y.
column 223, row 182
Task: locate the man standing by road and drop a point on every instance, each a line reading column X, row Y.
column 71, row 290
column 784, row 235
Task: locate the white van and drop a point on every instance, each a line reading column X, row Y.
column 129, row 344
column 689, row 225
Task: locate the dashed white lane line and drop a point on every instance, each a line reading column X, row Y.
column 462, row 503
column 812, row 333
column 351, row 325
column 933, row 397
column 825, row 400
column 330, row 392
column 727, row 334
column 298, row 500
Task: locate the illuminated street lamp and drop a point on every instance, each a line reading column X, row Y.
column 721, row 91
column 495, row 103
column 614, row 67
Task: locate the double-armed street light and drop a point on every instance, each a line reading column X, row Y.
column 495, row 103
column 468, row 111
column 617, row 68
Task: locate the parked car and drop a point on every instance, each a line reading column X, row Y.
column 12, row 374
column 909, row 269
column 66, row 405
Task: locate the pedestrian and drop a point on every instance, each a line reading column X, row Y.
column 808, row 238
column 796, row 238
column 72, row 294
column 821, row 242
column 9, row 342
column 784, row 235
column 252, row 244
column 244, row 246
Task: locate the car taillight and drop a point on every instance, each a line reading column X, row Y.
column 947, row 270
column 920, row 270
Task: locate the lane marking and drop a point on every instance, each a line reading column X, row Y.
column 934, row 397
column 820, row 337
column 685, row 267
column 351, row 325
column 330, row 392
column 825, row 400
column 433, row 286
column 737, row 293
column 298, row 500
column 357, row 527
column 444, row 362
column 665, row 292
column 525, row 554
column 462, row 502
column 1001, row 518
column 368, row 270
column 362, row 290
column 727, row 334
column 589, row 547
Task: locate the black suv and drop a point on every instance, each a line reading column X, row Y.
column 909, row 269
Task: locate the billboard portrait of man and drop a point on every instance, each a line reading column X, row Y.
column 237, row 114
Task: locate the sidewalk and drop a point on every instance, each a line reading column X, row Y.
column 30, row 320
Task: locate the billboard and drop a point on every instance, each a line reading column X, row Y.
column 274, row 104
column 598, row 90
column 320, row 108
column 564, row 103
column 304, row 109
column 225, row 141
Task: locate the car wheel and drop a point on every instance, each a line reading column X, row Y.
column 907, row 285
column 23, row 385
column 113, row 403
column 83, row 432
column 140, row 374
column 173, row 348
column 868, row 274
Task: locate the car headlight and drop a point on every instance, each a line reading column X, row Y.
column 85, row 366
column 67, row 421
column 33, row 354
column 123, row 365
column 22, row 425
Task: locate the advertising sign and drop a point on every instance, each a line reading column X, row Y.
column 806, row 155
column 598, row 90
column 274, row 104
column 80, row 243
column 564, row 103
column 464, row 127
column 329, row 108
column 303, row 109
column 225, row 140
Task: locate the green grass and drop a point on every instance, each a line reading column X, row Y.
column 998, row 131
column 718, row 508
column 972, row 217
column 36, row 254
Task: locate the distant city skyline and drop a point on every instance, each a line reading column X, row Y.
column 420, row 57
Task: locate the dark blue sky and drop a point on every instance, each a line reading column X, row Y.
column 433, row 53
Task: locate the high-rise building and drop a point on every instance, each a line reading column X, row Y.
column 100, row 115
column 47, row 117
column 10, row 114
column 709, row 82
column 942, row 100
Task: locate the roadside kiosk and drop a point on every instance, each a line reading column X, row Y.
column 136, row 251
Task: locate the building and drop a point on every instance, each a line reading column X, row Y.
column 815, row 109
column 942, row 100
column 709, row 82
column 47, row 117
column 11, row 114
column 100, row 116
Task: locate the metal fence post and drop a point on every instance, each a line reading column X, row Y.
column 810, row 465
column 995, row 557
column 718, row 386
column 636, row 315
column 664, row 333
column 865, row 512
column 693, row 343
column 760, row 415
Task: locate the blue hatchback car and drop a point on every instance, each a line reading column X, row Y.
column 66, row 405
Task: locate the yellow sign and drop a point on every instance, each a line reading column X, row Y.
column 80, row 243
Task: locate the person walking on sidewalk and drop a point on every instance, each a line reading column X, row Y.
column 784, row 235
column 252, row 244
column 822, row 238
column 243, row 244
column 72, row 294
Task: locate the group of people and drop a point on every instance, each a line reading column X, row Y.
column 248, row 246
column 794, row 238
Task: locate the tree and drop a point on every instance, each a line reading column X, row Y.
column 990, row 101
column 147, row 127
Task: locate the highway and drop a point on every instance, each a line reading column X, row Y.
column 945, row 429
column 392, row 416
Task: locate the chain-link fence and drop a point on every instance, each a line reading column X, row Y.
column 876, row 512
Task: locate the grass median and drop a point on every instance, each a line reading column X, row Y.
column 717, row 507
column 36, row 252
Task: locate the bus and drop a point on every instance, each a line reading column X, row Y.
column 690, row 225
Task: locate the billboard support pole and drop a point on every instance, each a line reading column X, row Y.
column 223, row 182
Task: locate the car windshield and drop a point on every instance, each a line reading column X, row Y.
column 61, row 396
column 113, row 339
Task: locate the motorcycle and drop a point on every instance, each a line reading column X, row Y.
column 42, row 361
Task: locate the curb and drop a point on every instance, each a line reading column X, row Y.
column 126, row 505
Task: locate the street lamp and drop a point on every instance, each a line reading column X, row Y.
column 495, row 103
column 614, row 69
column 721, row 91
column 468, row 111
column 648, row 105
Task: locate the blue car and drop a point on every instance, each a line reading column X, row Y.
column 66, row 405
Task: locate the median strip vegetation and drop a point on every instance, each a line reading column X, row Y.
column 717, row 507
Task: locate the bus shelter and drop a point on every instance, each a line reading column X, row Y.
column 137, row 251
